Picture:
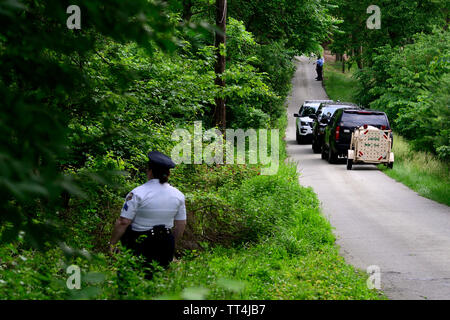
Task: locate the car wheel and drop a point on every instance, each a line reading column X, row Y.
column 349, row 164
column 390, row 165
column 298, row 137
column 315, row 147
column 332, row 158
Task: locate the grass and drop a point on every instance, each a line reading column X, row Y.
column 339, row 86
column 420, row 171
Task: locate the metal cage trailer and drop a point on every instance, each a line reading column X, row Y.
column 370, row 145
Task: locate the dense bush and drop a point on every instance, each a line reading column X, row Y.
column 411, row 84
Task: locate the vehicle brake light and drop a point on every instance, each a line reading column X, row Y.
column 338, row 129
column 365, row 126
column 383, row 127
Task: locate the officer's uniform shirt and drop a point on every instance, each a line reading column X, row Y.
column 320, row 62
column 153, row 204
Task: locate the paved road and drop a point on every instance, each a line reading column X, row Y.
column 377, row 220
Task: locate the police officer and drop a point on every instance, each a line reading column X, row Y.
column 319, row 68
column 150, row 212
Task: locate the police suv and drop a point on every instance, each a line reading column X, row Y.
column 305, row 120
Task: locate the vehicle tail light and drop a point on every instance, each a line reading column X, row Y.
column 366, row 126
column 383, row 127
column 338, row 129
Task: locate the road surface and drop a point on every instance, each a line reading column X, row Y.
column 377, row 220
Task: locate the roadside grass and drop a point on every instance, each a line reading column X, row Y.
column 420, row 171
column 339, row 86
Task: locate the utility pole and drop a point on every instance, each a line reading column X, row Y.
column 220, row 42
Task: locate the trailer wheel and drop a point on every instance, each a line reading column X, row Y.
column 349, row 164
column 390, row 165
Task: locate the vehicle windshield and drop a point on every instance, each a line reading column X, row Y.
column 360, row 119
column 328, row 111
column 307, row 111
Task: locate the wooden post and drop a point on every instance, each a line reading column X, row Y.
column 220, row 42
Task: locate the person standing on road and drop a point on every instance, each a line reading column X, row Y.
column 149, row 213
column 319, row 68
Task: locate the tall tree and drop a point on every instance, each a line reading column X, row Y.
column 302, row 24
column 220, row 43
column 400, row 21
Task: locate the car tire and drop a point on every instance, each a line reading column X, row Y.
column 332, row 158
column 315, row 147
column 390, row 165
column 298, row 137
column 349, row 164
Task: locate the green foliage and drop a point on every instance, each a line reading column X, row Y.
column 339, row 86
column 241, row 45
column 412, row 85
column 103, row 97
column 302, row 24
column 276, row 60
column 45, row 82
column 400, row 21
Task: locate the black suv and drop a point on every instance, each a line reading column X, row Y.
column 339, row 132
column 322, row 118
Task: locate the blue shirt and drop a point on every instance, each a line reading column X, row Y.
column 320, row 62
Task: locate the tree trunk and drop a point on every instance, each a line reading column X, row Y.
column 358, row 57
column 220, row 42
column 187, row 10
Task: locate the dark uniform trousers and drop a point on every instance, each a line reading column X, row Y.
column 156, row 245
column 319, row 70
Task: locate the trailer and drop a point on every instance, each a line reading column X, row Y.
column 370, row 145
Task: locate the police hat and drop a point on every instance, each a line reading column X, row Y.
column 159, row 159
